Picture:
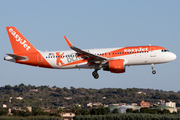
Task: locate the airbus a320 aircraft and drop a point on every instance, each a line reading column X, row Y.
column 109, row 59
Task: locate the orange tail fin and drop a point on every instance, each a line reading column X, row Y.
column 18, row 42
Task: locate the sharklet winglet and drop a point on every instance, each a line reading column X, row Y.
column 68, row 42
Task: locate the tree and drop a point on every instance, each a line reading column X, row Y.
column 165, row 111
column 3, row 111
column 85, row 112
column 145, row 110
column 129, row 110
column 76, row 109
column 115, row 111
column 21, row 113
column 93, row 111
column 37, row 111
column 61, row 111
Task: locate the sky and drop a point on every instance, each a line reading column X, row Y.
column 92, row 24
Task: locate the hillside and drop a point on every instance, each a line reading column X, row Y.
column 44, row 96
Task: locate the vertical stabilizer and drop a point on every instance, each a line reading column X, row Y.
column 18, row 42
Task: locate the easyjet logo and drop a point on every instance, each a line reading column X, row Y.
column 136, row 49
column 20, row 40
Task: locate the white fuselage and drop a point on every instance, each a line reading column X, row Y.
column 145, row 58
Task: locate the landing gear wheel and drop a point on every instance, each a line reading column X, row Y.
column 153, row 72
column 95, row 75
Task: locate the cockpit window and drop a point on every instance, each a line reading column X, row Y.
column 164, row 50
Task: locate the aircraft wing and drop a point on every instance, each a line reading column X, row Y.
column 84, row 54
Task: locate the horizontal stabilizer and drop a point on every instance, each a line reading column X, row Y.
column 17, row 57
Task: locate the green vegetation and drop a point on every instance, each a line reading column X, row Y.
column 94, row 111
column 3, row 111
column 29, row 118
column 115, row 111
column 53, row 97
column 148, row 110
column 129, row 116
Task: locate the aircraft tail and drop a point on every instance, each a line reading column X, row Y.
column 19, row 43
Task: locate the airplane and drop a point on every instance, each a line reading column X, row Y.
column 114, row 60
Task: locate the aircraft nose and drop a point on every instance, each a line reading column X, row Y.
column 173, row 56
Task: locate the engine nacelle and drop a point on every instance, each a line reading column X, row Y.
column 115, row 66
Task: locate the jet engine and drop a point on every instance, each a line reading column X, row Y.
column 115, row 66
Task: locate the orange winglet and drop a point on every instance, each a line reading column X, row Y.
column 68, row 42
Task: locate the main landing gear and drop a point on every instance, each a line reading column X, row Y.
column 153, row 71
column 95, row 74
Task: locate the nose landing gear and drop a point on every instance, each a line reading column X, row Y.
column 153, row 71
